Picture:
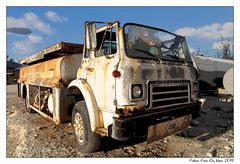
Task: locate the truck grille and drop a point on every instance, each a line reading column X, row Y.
column 170, row 93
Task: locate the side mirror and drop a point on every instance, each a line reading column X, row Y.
column 90, row 35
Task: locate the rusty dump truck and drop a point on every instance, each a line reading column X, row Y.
column 124, row 82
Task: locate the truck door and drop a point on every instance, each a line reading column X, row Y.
column 100, row 74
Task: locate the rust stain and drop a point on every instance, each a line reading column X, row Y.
column 45, row 73
column 91, row 69
column 101, row 122
column 129, row 110
column 135, row 69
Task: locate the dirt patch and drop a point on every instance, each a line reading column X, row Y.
column 31, row 135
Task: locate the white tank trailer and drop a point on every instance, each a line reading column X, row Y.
column 211, row 73
column 228, row 81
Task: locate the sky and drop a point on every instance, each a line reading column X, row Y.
column 202, row 26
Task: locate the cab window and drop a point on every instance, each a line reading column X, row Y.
column 106, row 42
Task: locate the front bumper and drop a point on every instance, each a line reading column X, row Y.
column 137, row 126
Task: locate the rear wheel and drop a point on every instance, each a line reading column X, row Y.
column 87, row 141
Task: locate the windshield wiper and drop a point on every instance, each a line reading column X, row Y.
column 173, row 56
column 147, row 52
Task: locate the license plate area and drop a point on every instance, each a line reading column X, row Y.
column 163, row 129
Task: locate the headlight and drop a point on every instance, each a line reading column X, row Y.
column 137, row 91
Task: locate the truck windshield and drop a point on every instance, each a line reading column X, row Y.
column 152, row 43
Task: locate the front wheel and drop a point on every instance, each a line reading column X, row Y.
column 87, row 141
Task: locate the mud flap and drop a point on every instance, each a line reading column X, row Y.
column 163, row 129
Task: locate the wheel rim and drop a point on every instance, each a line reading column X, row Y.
column 78, row 127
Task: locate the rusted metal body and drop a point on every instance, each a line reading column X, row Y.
column 124, row 95
column 52, row 73
column 169, row 127
column 55, row 75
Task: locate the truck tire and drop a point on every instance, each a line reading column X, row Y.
column 87, row 141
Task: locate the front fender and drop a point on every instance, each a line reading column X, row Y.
column 90, row 100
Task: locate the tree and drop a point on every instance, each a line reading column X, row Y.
column 10, row 60
column 226, row 46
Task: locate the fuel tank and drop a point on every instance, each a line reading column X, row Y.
column 211, row 71
column 228, row 81
column 56, row 72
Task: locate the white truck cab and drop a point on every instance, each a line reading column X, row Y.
column 131, row 81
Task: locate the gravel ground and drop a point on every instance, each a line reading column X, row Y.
column 31, row 135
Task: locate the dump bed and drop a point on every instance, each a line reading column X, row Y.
column 54, row 51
